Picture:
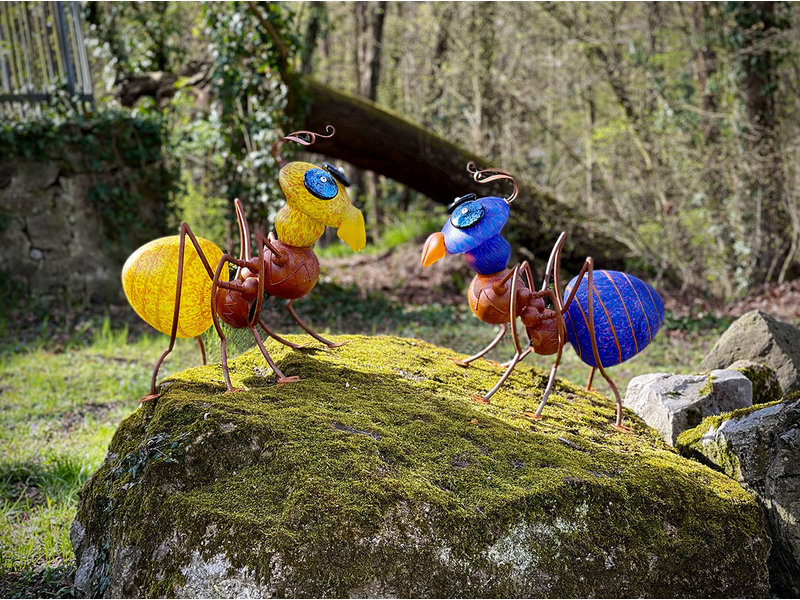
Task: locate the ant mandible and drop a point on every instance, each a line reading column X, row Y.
column 630, row 311
column 179, row 294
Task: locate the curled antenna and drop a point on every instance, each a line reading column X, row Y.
column 305, row 138
column 492, row 174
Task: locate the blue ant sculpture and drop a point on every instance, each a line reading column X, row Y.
column 607, row 316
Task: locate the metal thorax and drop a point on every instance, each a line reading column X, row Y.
column 284, row 265
column 607, row 316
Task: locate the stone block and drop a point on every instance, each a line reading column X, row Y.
column 671, row 404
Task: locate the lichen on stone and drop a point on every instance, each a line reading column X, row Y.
column 688, row 440
column 759, row 448
column 377, row 475
column 766, row 387
column 690, row 437
column 708, row 387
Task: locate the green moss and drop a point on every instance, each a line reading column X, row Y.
column 766, row 387
column 377, row 460
column 708, row 387
column 690, row 437
column 717, row 453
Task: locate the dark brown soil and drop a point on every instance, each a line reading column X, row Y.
column 398, row 274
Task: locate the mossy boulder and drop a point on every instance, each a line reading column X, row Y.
column 760, row 447
column 377, row 475
column 671, row 403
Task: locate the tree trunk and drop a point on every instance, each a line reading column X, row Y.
column 378, row 19
column 756, row 22
column 311, row 36
column 591, row 117
column 444, row 20
column 374, row 139
column 705, row 66
column 369, row 20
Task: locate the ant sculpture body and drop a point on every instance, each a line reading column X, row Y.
column 181, row 295
column 608, row 317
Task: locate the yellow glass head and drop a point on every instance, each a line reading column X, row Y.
column 317, row 194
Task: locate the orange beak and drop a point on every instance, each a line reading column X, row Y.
column 434, row 249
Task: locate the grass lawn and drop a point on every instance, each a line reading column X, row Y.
column 60, row 407
column 58, row 412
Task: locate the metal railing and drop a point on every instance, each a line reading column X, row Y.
column 42, row 55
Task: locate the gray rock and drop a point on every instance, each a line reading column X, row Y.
column 30, row 176
column 215, row 577
column 761, row 449
column 766, row 387
column 671, row 404
column 87, row 558
column 761, row 338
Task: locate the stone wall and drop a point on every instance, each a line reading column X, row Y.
column 69, row 217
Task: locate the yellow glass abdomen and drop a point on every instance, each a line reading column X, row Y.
column 149, row 278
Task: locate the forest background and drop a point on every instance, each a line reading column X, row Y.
column 663, row 137
column 671, row 128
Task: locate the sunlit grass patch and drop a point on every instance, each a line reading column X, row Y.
column 58, row 411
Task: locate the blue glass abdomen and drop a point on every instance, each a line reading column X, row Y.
column 627, row 314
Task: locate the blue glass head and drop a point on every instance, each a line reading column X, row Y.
column 473, row 229
column 484, row 219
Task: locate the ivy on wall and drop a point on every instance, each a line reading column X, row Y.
column 126, row 147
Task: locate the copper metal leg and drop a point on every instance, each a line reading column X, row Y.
column 244, row 234
column 518, row 354
column 554, row 369
column 555, row 298
column 184, row 232
column 538, row 414
column 199, row 339
column 223, row 343
column 618, row 423
column 260, row 241
column 222, row 339
column 153, row 394
column 485, row 399
column 591, row 377
column 553, row 265
column 492, row 344
column 522, row 357
column 278, row 338
column 590, row 276
column 312, row 333
column 281, row 377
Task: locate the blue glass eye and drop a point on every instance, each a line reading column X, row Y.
column 320, row 183
column 467, row 215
